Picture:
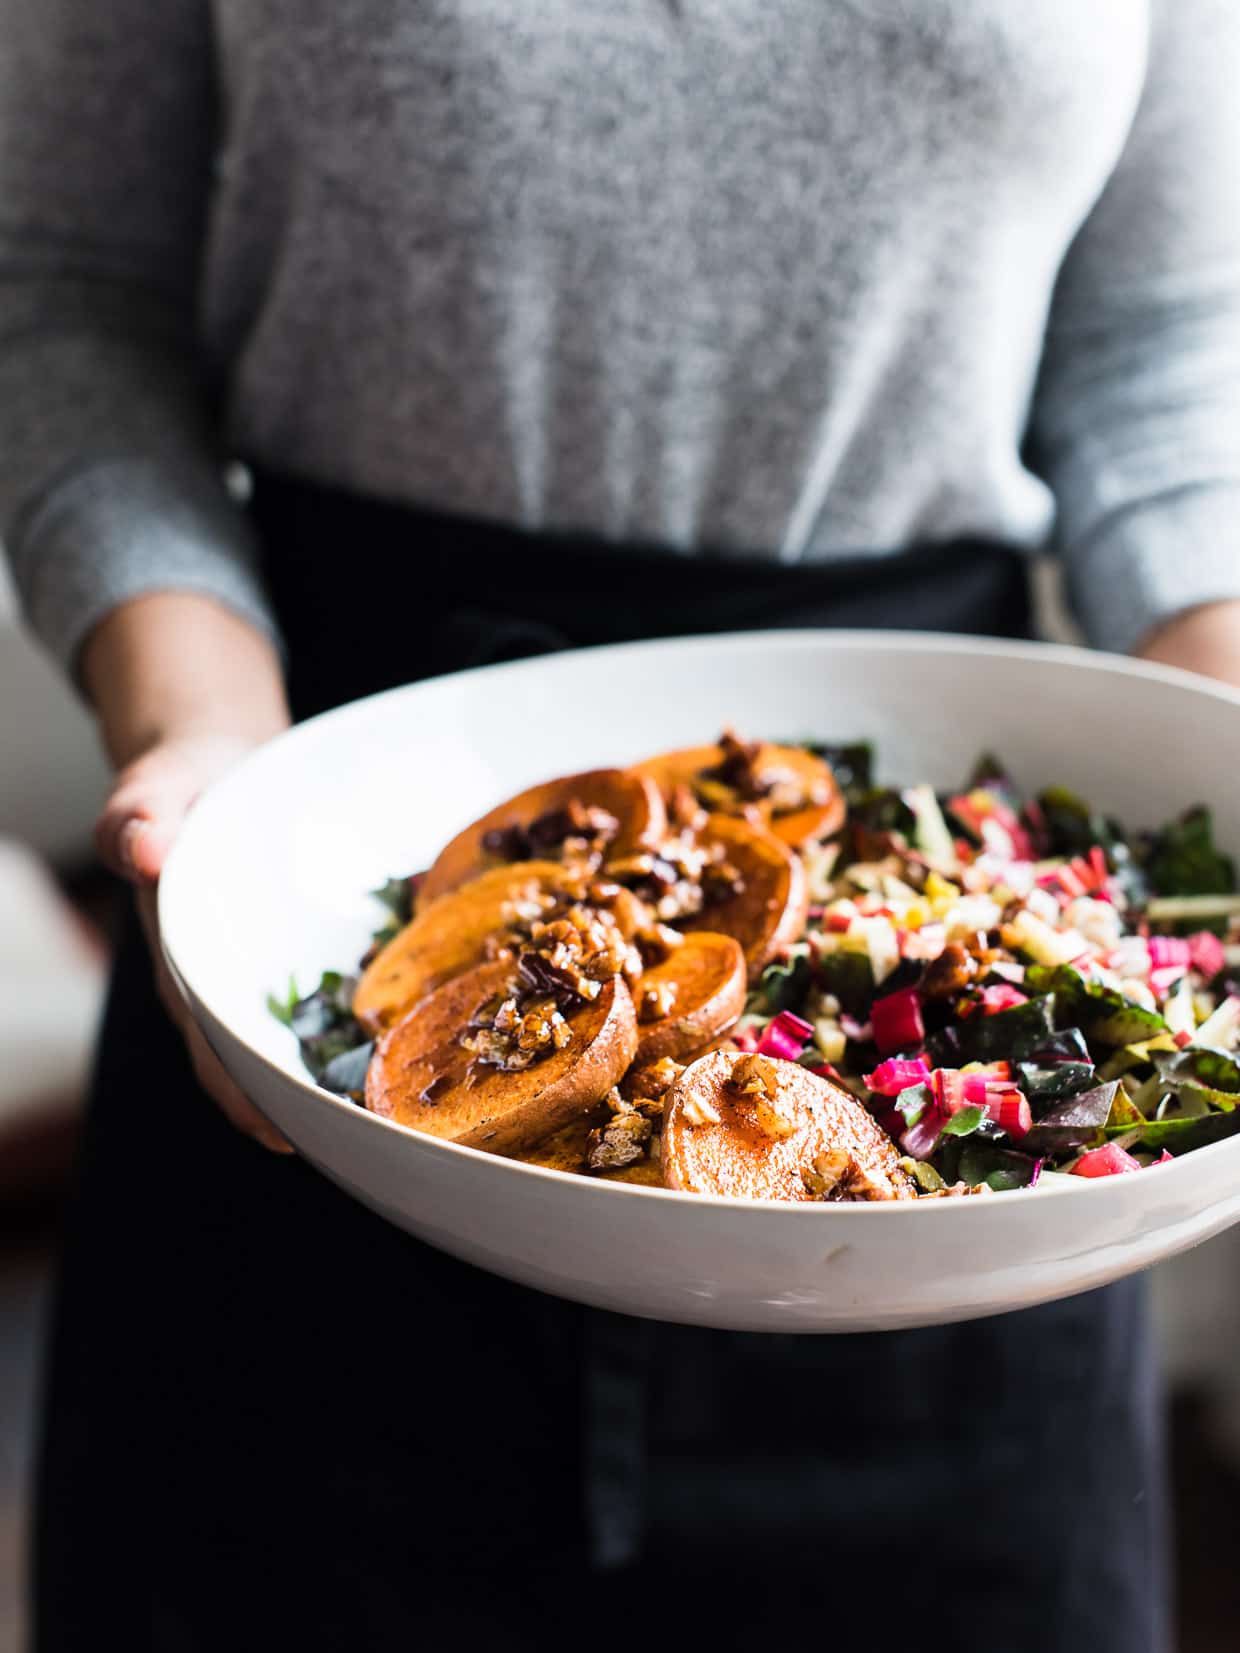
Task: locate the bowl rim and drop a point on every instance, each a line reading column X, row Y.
column 841, row 640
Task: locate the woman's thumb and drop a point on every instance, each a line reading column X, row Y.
column 143, row 815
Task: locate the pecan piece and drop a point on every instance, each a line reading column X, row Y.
column 623, row 1140
column 948, row 974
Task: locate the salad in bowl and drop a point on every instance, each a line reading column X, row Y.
column 745, row 969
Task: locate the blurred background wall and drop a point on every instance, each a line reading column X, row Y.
column 58, row 913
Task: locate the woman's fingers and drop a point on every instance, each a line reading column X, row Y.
column 208, row 1069
column 151, row 797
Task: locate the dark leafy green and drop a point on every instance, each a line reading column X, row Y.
column 1072, row 827
column 990, row 773
column 1046, row 1085
column 852, row 765
column 1066, row 1044
column 965, row 1122
column 780, row 985
column 878, row 812
column 324, row 1023
column 850, row 979
column 1105, row 1014
column 1180, row 1135
column 397, row 896
column 282, row 1009
column 913, row 1101
column 999, row 1168
column 346, row 1073
column 1182, row 859
column 1012, row 1035
column 1217, row 1071
column 1072, row 1124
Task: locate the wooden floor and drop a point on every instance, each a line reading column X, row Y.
column 1207, row 1488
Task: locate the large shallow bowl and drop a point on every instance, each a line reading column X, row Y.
column 271, row 872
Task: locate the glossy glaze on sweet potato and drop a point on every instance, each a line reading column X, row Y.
column 634, row 801
column 818, row 816
column 770, row 911
column 445, row 938
column 705, row 979
column 736, row 1157
column 422, row 1076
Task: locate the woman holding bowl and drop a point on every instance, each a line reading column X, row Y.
column 536, row 327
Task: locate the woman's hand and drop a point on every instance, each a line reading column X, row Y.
column 183, row 689
column 1205, row 639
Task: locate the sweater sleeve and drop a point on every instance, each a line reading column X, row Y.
column 110, row 483
column 1136, row 423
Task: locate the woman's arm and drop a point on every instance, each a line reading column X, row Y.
column 109, row 466
column 1136, row 422
column 182, row 688
column 1204, row 640
column 134, row 565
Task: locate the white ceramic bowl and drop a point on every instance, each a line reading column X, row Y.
column 271, row 871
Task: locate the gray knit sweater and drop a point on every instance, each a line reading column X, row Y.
column 798, row 277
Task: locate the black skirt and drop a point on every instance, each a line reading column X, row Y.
column 274, row 1421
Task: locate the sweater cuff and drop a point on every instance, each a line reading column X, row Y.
column 1155, row 560
column 125, row 528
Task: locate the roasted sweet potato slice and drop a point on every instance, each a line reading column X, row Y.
column 422, row 1076
column 804, row 804
column 770, row 909
column 632, row 799
column 444, row 939
column 692, row 997
column 805, row 1140
column 566, row 1150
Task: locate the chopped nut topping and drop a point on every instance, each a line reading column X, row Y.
column 669, row 877
column 772, row 1120
column 647, row 1086
column 602, row 892
column 514, row 1036
column 720, row 879
column 569, row 952
column 836, row 1174
column 698, row 1111
column 631, row 868
column 656, row 943
column 621, row 1141
column 656, row 1001
column 948, row 974
column 564, row 953
column 828, row 1170
column 577, row 828
column 755, row 1076
column 738, row 767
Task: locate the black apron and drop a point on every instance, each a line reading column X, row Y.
column 274, row 1421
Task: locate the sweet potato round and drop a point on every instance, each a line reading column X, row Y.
column 737, row 1158
column 487, row 1107
column 444, row 939
column 821, row 813
column 632, row 799
column 705, row 976
column 770, row 911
